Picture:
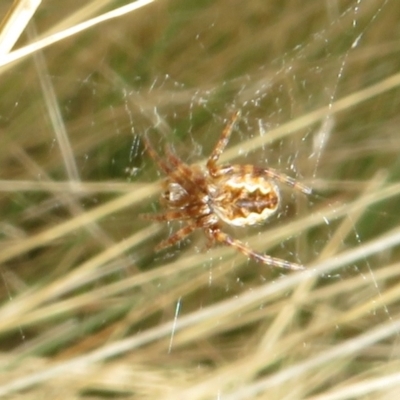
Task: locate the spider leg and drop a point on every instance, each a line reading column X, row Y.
column 153, row 154
column 258, row 171
column 167, row 216
column 174, row 164
column 222, row 142
column 222, row 237
column 188, row 177
column 178, row 163
column 176, row 237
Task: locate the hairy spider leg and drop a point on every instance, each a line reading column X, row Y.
column 252, row 170
column 179, row 235
column 222, row 237
column 153, row 154
column 195, row 181
column 222, row 142
column 174, row 161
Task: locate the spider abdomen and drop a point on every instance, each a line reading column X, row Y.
column 245, row 200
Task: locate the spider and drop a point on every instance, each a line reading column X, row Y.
column 202, row 198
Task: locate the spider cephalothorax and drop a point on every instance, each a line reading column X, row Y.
column 239, row 195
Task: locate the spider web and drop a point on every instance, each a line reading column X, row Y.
column 316, row 84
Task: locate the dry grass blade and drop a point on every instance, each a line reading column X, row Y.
column 15, row 22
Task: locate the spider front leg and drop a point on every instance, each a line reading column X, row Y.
column 153, row 154
column 219, row 236
column 222, row 142
column 189, row 176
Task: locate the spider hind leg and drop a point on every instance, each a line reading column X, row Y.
column 222, row 237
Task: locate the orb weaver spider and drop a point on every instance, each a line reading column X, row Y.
column 239, row 195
